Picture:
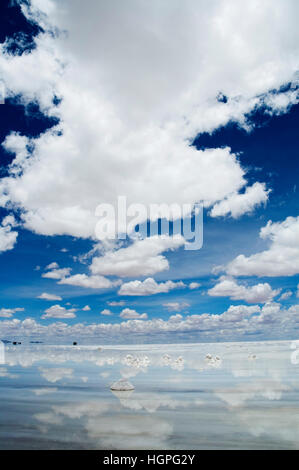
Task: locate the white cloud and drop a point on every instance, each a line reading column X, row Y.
column 238, row 204
column 9, row 220
column 148, row 287
column 114, row 303
column 8, row 312
column 280, row 259
column 57, row 273
column 194, row 285
column 176, row 306
column 56, row 311
column 286, row 295
column 51, row 266
column 239, row 322
column 8, row 237
column 91, row 282
column 46, row 296
column 129, row 313
column 281, row 103
column 86, row 308
column 236, row 313
column 106, row 312
column 134, row 127
column 228, row 287
column 141, row 258
column 175, row 318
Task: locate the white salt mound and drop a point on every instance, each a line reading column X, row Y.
column 138, row 362
column 122, row 385
column 252, row 357
column 166, row 359
column 213, row 361
column 122, row 395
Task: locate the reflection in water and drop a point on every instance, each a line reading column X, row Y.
column 237, row 396
column 122, row 385
column 55, row 374
column 44, row 391
column 233, row 395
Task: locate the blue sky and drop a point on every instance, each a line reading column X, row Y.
column 139, row 114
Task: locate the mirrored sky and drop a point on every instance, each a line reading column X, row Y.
column 212, row 396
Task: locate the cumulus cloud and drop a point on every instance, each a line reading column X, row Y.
column 129, row 313
column 56, row 311
column 46, row 296
column 286, row 295
column 238, row 204
column 8, row 312
column 194, row 285
column 149, row 287
column 59, row 273
column 116, row 303
column 9, row 220
column 228, row 287
column 86, row 308
column 106, row 312
column 8, row 237
column 51, row 266
column 237, row 323
column 280, row 259
column 175, row 318
column 134, row 127
column 176, row 306
column 141, row 258
column 91, row 282
column 236, row 313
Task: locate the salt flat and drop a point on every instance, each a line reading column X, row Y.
column 186, row 396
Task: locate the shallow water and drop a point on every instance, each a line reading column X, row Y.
column 58, row 397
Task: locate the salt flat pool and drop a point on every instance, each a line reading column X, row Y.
column 188, row 396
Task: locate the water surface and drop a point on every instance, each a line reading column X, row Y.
column 242, row 396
